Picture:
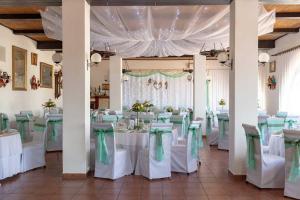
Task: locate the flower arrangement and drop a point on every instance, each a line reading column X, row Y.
column 49, row 104
column 147, row 105
column 222, row 102
column 140, row 107
column 169, row 109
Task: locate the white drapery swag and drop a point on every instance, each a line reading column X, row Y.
column 135, row 31
column 179, row 92
column 289, row 81
column 218, row 88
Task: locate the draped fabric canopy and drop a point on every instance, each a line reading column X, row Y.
column 135, row 31
column 178, row 92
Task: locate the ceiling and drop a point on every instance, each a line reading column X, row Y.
column 26, row 20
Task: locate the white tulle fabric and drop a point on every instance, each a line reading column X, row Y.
column 157, row 30
column 178, row 94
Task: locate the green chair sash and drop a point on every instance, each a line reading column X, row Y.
column 195, row 142
column 251, row 162
column 159, row 149
column 102, row 146
column 209, row 117
column 262, row 126
column 294, row 173
column 21, row 126
column 291, row 123
column 3, row 122
column 53, row 124
column 222, row 126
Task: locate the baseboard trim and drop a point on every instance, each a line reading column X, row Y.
column 74, row 176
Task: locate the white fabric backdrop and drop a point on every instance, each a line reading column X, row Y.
column 157, row 30
column 178, row 94
column 288, row 66
column 219, row 88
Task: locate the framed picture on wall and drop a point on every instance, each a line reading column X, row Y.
column 34, row 59
column 19, row 68
column 46, row 75
column 272, row 67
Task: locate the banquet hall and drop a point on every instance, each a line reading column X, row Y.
column 156, row 99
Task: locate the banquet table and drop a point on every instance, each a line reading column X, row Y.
column 10, row 153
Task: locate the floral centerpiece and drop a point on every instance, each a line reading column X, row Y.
column 169, row 109
column 147, row 105
column 49, row 104
column 138, row 107
column 222, row 103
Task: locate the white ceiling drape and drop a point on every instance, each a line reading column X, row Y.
column 135, row 31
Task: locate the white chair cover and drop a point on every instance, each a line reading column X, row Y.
column 184, row 158
column 116, row 161
column 179, row 124
column 263, row 170
column 54, row 132
column 212, row 133
column 23, row 126
column 33, row 153
column 147, row 164
column 223, row 138
column 292, row 163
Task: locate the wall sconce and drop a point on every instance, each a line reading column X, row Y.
column 4, row 79
column 57, row 58
column 95, row 59
column 223, row 58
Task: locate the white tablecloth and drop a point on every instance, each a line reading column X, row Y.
column 10, row 153
column 276, row 145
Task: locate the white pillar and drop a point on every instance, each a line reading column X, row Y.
column 115, row 79
column 243, row 79
column 199, row 87
column 76, row 84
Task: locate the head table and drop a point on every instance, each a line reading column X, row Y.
column 10, row 153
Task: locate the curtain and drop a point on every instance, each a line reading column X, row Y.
column 261, row 88
column 179, row 91
column 288, row 66
column 218, row 88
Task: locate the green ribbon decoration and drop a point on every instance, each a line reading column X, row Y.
column 291, row 123
column 294, row 173
column 3, row 122
column 261, row 127
column 52, row 123
column 21, row 123
column 194, row 149
column 159, row 149
column 251, row 163
column 222, row 123
column 102, row 147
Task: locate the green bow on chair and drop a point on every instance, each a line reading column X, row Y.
column 251, row 163
column 222, row 126
column 52, row 123
column 159, row 151
column 194, row 149
column 295, row 168
column 291, row 123
column 21, row 124
column 3, row 122
column 102, row 147
column 262, row 127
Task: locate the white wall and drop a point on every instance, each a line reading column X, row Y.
column 12, row 102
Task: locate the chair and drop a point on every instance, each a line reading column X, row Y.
column 282, row 115
column 275, row 125
column 263, row 170
column 155, row 161
column 179, row 123
column 23, row 127
column 263, row 126
column 292, row 163
column 33, row 152
column 111, row 162
column 109, row 118
column 223, row 138
column 4, row 122
column 184, row 158
column 212, row 133
column 54, row 132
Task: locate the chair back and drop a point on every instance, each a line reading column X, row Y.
column 179, row 123
column 281, row 115
column 164, row 117
column 194, row 141
column 28, row 112
column 109, row 119
column 54, row 127
column 147, row 117
column 105, row 143
column 275, row 125
column 223, row 121
column 4, row 122
column 40, row 127
column 23, row 127
column 292, row 154
column 254, row 151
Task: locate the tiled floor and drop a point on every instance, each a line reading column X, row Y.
column 212, row 181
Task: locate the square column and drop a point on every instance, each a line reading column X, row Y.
column 200, row 88
column 115, row 79
column 243, row 79
column 76, row 84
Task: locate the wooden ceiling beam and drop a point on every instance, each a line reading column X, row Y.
column 20, row 16
column 286, row 30
column 288, row 15
column 266, row 44
column 28, row 32
column 49, row 45
column 13, row 3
